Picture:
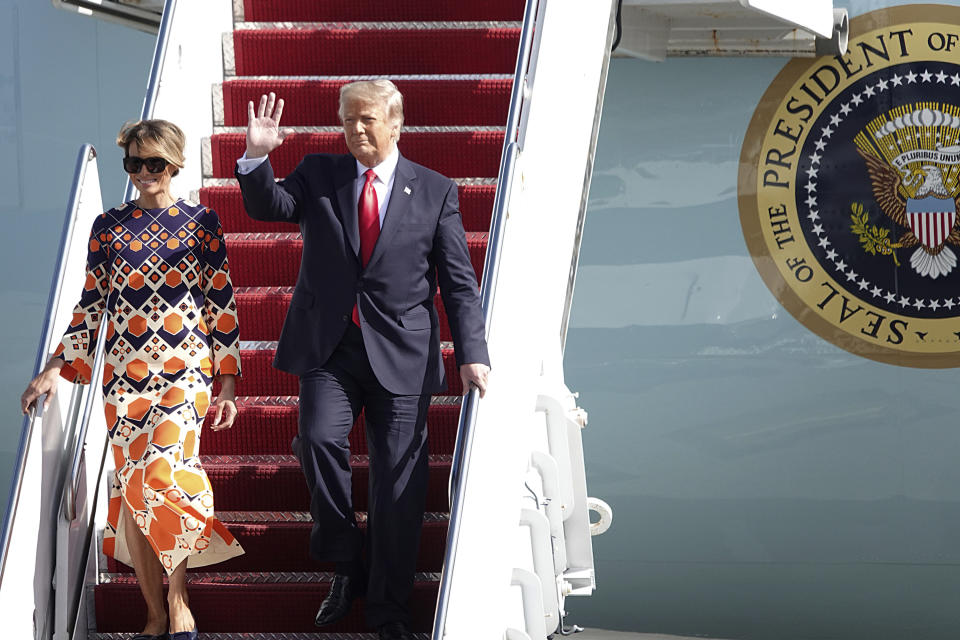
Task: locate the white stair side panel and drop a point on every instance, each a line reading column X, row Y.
column 526, row 317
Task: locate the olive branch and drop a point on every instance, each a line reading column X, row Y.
column 874, row 239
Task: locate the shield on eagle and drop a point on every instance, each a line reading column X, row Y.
column 931, row 219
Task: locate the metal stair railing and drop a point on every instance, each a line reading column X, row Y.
column 46, row 471
column 512, row 145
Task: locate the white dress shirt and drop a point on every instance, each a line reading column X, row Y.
column 383, row 184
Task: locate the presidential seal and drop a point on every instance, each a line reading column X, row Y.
column 849, row 188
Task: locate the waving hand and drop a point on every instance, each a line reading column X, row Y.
column 263, row 126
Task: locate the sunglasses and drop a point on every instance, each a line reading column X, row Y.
column 132, row 164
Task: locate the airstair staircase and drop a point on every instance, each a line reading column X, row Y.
column 456, row 64
column 456, row 74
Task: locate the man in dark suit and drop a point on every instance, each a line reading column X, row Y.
column 379, row 234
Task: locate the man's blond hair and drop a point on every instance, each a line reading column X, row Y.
column 380, row 91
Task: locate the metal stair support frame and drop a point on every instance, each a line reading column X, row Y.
column 532, row 596
column 564, row 421
column 559, row 528
column 543, row 566
column 43, row 551
column 534, row 238
column 545, row 467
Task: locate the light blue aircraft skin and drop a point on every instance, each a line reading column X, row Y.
column 766, row 484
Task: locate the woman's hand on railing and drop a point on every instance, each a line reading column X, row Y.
column 44, row 384
column 225, row 404
column 263, row 126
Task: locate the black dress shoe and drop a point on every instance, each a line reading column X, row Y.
column 395, row 631
column 343, row 591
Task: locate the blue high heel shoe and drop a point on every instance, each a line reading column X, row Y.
column 184, row 635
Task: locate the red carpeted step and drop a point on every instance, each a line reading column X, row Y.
column 455, row 154
column 476, row 207
column 380, row 10
column 261, row 379
column 261, row 311
column 275, row 483
column 264, row 260
column 376, row 51
column 280, row 542
column 228, row 203
column 266, row 426
column 434, row 103
column 268, row 602
column 273, row 260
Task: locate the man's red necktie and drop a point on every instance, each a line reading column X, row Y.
column 369, row 220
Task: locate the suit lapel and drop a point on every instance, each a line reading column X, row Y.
column 401, row 196
column 346, row 199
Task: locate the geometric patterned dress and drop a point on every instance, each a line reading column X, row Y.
column 163, row 279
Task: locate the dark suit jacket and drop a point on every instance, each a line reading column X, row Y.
column 422, row 242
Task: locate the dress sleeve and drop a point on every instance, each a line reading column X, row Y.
column 219, row 305
column 79, row 343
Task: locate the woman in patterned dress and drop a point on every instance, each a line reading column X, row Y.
column 157, row 268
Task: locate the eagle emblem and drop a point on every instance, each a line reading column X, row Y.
column 912, row 154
